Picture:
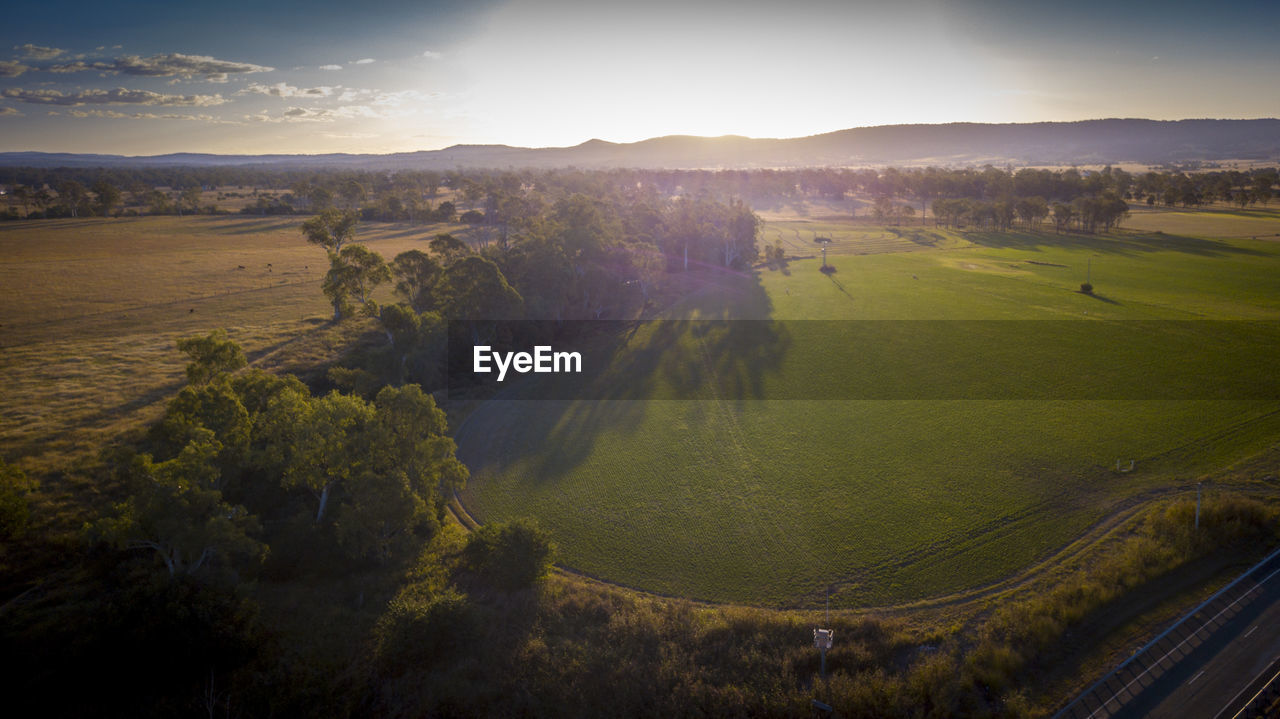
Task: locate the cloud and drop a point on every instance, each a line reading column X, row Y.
column 281, row 89
column 118, row 96
column 115, row 115
column 330, row 67
column 364, row 61
column 312, row 114
column 170, row 65
column 9, row 112
column 396, row 99
column 38, row 52
column 8, row 68
column 432, row 55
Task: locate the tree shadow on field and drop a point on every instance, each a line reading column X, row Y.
column 1098, row 297
column 1124, row 242
column 720, row 346
column 422, row 232
column 924, row 238
column 249, row 225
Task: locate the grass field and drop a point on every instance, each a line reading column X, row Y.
column 93, row 308
column 735, row 500
column 769, row 501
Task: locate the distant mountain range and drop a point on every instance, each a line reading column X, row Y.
column 1042, row 143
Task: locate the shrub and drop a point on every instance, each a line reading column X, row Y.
column 511, row 555
column 420, row 631
column 1086, row 288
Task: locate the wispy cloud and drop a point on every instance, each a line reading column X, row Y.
column 9, row 68
column 116, row 115
column 432, row 55
column 330, row 67
column 281, row 89
column 364, row 61
column 38, row 52
column 118, row 96
column 9, row 112
column 170, row 65
column 313, row 114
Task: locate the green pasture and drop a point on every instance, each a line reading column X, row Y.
column 749, row 498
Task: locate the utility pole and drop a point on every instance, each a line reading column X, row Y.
column 823, row 638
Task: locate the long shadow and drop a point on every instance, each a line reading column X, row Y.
column 923, row 238
column 244, row 225
column 722, row 345
column 1098, row 297
column 1123, row 243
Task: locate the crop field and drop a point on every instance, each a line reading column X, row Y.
column 755, row 499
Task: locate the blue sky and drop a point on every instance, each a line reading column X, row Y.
column 239, row 77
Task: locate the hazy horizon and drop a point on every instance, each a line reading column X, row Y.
column 626, row 142
column 139, row 78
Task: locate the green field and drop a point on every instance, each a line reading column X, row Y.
column 768, row 501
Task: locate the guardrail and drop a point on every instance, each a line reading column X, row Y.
column 1109, row 694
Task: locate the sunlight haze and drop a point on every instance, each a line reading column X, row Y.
column 137, row 78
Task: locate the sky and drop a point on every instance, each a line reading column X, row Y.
column 145, row 78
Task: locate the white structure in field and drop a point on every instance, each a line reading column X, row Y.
column 822, row 639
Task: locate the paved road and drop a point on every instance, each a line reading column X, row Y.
column 1254, row 646
column 1204, row 664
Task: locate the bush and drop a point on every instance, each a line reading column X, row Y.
column 511, row 555
column 1086, row 288
column 15, row 491
column 420, row 631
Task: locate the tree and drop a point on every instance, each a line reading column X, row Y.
column 158, row 203
column 445, row 212
column 381, row 516
column 215, row 407
column 448, row 248
column 1063, row 214
column 400, row 323
column 174, row 511
column 72, row 194
column 211, row 355
column 1032, row 210
column 327, row 446
column 23, row 194
column 354, row 193
column 107, row 197
column 412, row 434
column 353, row 274
column 416, row 273
column 191, row 198
column 331, row 229
column 42, row 199
column 473, row 288
column 882, row 209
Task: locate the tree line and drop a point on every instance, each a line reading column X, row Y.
column 414, row 196
column 540, row 257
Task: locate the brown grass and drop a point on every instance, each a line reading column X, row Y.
column 93, row 308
